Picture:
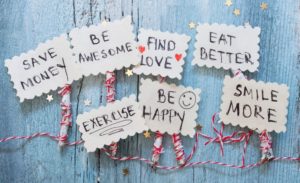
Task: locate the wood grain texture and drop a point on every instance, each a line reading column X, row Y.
column 23, row 24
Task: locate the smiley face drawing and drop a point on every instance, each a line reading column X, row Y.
column 187, row 100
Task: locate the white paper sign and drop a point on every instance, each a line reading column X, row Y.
column 227, row 46
column 257, row 105
column 169, row 108
column 161, row 53
column 111, row 123
column 105, row 47
column 41, row 70
column 95, row 49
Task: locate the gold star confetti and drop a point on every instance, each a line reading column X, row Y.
column 49, row 98
column 263, row 6
column 228, row 3
column 198, row 127
column 87, row 102
column 192, row 25
column 129, row 72
column 147, row 134
column 125, row 171
column 237, row 12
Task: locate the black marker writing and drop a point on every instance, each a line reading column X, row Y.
column 43, row 57
column 248, row 111
column 160, row 44
column 96, row 40
column 64, row 67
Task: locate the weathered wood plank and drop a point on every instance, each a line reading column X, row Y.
column 23, row 24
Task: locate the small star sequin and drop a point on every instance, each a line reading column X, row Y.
column 87, row 102
column 228, row 3
column 129, row 72
column 49, row 98
column 147, row 134
column 198, row 127
column 125, row 171
column 237, row 12
column 192, row 25
column 263, row 6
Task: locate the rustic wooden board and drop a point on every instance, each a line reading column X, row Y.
column 23, row 24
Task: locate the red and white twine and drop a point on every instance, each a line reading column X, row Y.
column 235, row 137
column 178, row 148
column 187, row 164
column 66, row 120
column 157, row 147
column 110, row 86
column 40, row 134
column 110, row 97
column 266, row 146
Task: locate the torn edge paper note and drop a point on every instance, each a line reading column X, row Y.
column 105, row 47
column 169, row 108
column 41, row 70
column 161, row 53
column 111, row 123
column 256, row 105
column 227, row 47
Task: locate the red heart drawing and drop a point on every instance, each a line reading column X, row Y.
column 178, row 56
column 141, row 49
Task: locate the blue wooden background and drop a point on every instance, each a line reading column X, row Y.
column 24, row 24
